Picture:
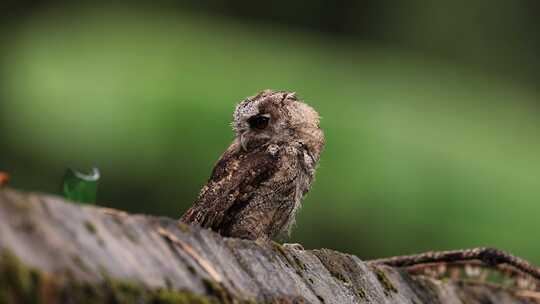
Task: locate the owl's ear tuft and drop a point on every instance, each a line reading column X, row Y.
column 292, row 95
column 288, row 96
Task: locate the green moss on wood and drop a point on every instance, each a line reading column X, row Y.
column 332, row 264
column 80, row 264
column 183, row 227
column 121, row 291
column 90, row 227
column 22, row 284
column 191, row 269
column 130, row 235
column 385, row 282
column 171, row 297
column 219, row 291
column 281, row 250
column 295, row 262
column 126, row 292
column 223, row 295
column 18, row 284
column 340, row 277
column 361, row 294
column 299, row 263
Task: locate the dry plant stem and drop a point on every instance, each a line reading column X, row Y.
column 489, row 256
column 511, row 271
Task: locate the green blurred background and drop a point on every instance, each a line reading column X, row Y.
column 430, row 109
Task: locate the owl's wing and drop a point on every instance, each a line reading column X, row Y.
column 235, row 176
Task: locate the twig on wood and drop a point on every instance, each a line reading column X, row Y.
column 528, row 294
column 489, row 256
column 504, row 268
column 189, row 250
column 114, row 212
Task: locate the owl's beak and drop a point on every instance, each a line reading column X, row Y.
column 243, row 142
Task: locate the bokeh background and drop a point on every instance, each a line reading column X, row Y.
column 431, row 109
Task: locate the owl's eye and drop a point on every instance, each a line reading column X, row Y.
column 258, row 122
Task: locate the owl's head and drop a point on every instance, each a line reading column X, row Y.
column 276, row 117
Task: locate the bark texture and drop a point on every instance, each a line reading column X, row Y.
column 52, row 251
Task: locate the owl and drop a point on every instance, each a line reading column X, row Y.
column 257, row 186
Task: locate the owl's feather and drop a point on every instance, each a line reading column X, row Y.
column 242, row 180
column 232, row 178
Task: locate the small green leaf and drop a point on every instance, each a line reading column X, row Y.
column 81, row 187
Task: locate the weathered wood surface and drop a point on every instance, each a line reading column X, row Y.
column 57, row 252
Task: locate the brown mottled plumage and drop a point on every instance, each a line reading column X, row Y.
column 257, row 185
